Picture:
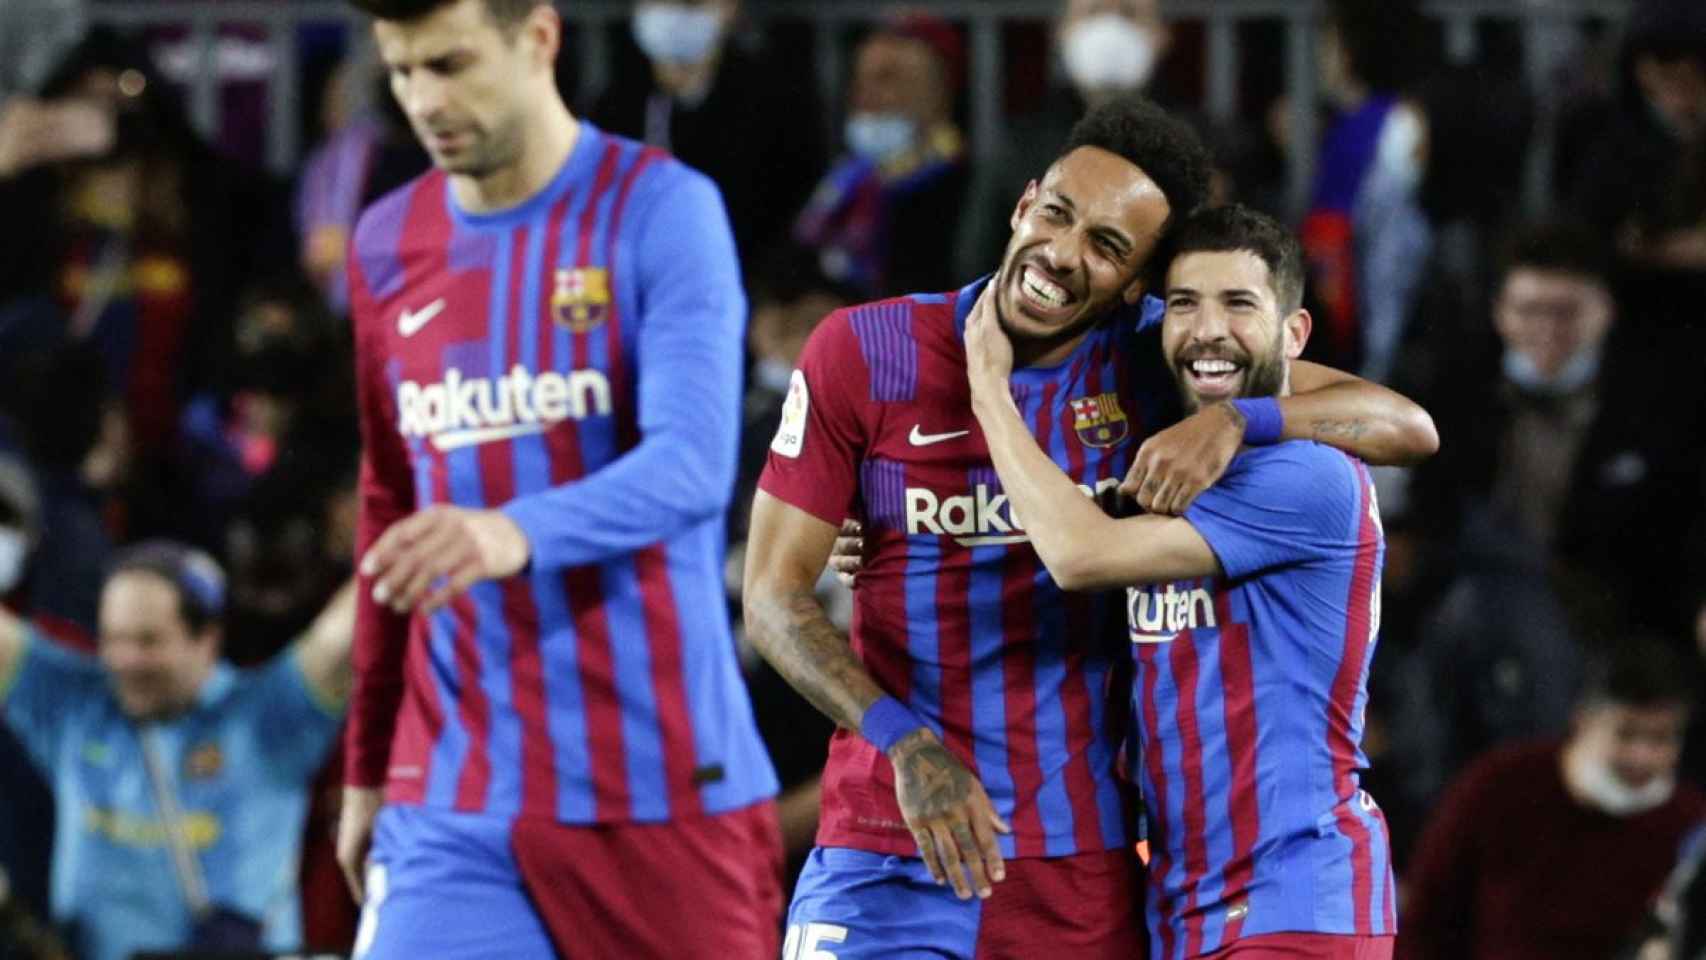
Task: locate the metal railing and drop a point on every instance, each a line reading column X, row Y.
column 1546, row 27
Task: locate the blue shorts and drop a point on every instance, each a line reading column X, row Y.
column 463, row 886
column 856, row 905
column 446, row 885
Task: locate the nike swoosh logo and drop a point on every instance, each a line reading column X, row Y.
column 410, row 322
column 919, row 438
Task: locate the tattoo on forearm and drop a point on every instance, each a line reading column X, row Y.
column 931, row 780
column 1343, row 431
column 814, row 657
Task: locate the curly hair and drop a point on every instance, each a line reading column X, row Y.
column 505, row 12
column 1162, row 146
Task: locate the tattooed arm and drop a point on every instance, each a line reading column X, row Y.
column 943, row 804
column 1378, row 425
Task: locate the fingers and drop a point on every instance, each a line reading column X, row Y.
column 460, row 580
column 927, row 850
column 1138, row 473
column 983, row 834
column 949, row 853
column 972, row 853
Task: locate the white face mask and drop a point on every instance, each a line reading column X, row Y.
column 14, row 548
column 1594, row 780
column 1108, row 52
column 1574, row 375
column 880, row 136
column 676, row 33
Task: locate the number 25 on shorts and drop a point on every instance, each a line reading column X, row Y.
column 806, row 941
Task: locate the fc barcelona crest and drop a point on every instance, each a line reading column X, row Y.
column 581, row 300
column 1099, row 420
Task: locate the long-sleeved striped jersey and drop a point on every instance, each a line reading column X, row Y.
column 574, row 361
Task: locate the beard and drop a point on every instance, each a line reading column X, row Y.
column 1263, row 376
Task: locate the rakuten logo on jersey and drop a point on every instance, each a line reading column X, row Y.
column 978, row 519
column 458, row 412
column 1157, row 614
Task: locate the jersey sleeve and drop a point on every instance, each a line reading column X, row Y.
column 1280, row 506
column 813, row 463
column 295, row 727
column 691, row 335
column 47, row 687
column 387, row 494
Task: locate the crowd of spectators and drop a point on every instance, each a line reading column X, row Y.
column 174, row 365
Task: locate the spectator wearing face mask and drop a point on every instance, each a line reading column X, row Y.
column 1562, row 504
column 1556, row 453
column 1552, row 850
column 1105, row 48
column 712, row 95
column 883, row 220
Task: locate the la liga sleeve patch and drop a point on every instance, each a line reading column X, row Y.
column 791, row 433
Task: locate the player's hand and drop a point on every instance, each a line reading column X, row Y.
column 424, row 560
column 847, row 557
column 949, row 815
column 360, row 806
column 989, row 352
column 1182, row 461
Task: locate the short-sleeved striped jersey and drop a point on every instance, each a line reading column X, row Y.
column 1249, row 699
column 955, row 614
column 574, row 361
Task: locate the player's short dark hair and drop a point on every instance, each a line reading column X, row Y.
column 197, row 578
column 1161, row 145
column 1564, row 246
column 1638, row 670
column 1234, row 228
column 505, row 12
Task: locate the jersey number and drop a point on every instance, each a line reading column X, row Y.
column 805, row 941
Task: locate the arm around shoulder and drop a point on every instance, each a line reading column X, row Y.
column 1373, row 423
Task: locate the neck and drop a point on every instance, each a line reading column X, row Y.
column 549, row 140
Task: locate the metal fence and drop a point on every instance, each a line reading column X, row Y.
column 1548, row 30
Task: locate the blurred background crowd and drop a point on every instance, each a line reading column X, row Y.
column 1504, row 207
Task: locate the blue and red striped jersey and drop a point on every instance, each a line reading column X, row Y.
column 574, row 361
column 1250, row 690
column 955, row 614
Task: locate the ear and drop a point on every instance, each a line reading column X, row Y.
column 1297, row 328
column 543, row 27
column 1026, row 200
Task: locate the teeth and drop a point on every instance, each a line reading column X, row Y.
column 1045, row 290
column 1213, row 366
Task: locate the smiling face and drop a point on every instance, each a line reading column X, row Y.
column 467, row 83
column 1080, row 240
column 1225, row 334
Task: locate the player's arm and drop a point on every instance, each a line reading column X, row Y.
column 682, row 471
column 386, row 495
column 1375, row 424
column 1368, row 421
column 323, row 652
column 950, row 814
column 1082, row 547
